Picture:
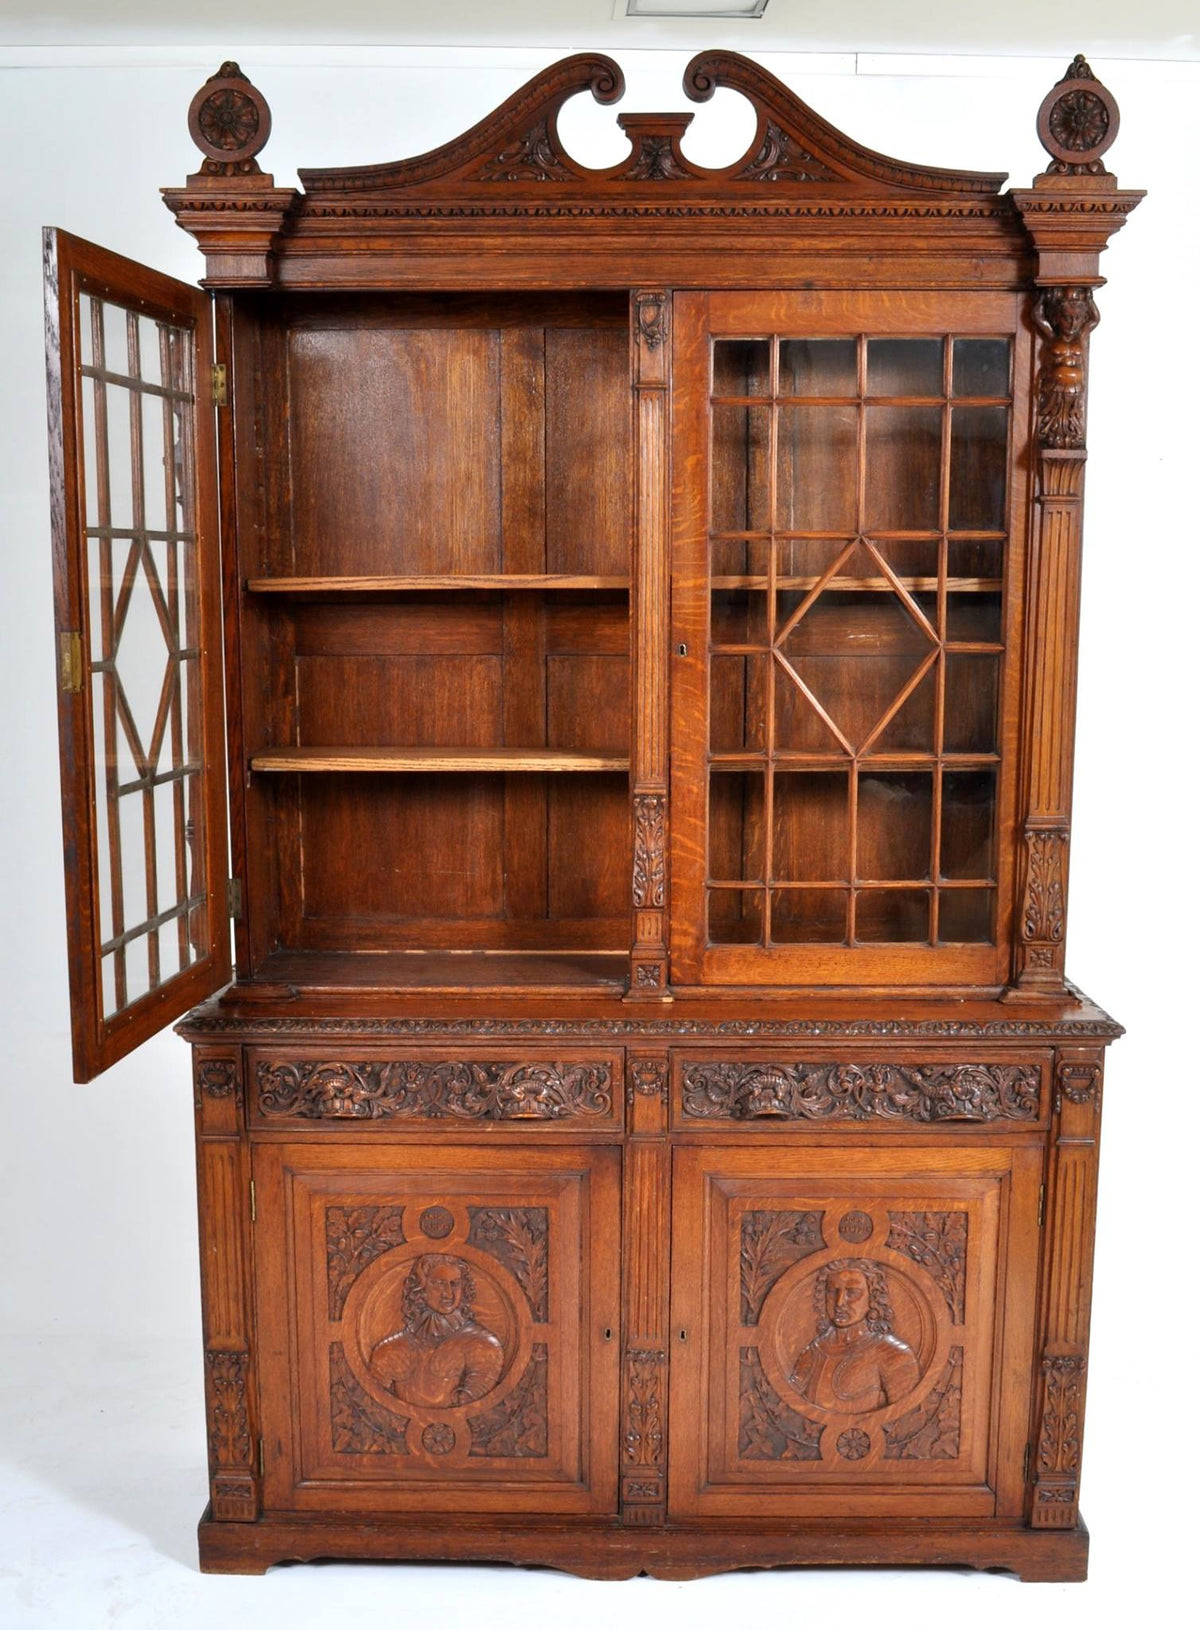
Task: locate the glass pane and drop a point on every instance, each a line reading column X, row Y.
column 973, row 619
column 981, row 367
column 800, row 916
column 817, row 483
column 895, row 824
column 968, row 819
column 818, row 367
column 740, row 557
column 741, row 447
column 910, row 728
column 904, row 448
column 739, row 617
column 120, row 457
column 978, row 466
column 896, row 915
column 735, row 826
column 972, row 703
column 737, row 704
column 965, row 916
column 142, row 610
column 811, row 827
column 735, row 916
column 976, row 558
column 741, row 368
column 904, row 367
column 799, row 728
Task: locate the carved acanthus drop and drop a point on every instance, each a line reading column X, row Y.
column 1062, row 1402
column 649, row 850
column 1044, row 916
column 645, row 1374
column 228, row 1412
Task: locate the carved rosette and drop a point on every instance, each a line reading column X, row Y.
column 922, row 1093
column 1078, row 122
column 417, row 1089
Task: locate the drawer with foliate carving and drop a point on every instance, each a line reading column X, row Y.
column 760, row 1088
column 477, row 1089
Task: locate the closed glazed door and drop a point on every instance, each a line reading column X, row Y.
column 438, row 1331
column 852, row 1330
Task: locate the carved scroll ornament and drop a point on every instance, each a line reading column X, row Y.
column 421, row 1090
column 853, row 1092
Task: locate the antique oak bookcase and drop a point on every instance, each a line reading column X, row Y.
column 607, row 639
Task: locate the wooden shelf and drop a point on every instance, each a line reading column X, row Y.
column 417, row 760
column 533, row 973
column 496, row 582
column 867, row 585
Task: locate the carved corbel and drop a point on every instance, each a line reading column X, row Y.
column 233, row 210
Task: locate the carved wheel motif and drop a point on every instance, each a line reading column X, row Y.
column 1077, row 122
column 230, row 122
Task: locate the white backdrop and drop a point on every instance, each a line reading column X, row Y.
column 96, row 1184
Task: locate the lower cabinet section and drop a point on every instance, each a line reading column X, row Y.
column 852, row 1330
column 438, row 1327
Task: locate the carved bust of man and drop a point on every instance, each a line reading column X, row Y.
column 854, row 1362
column 439, row 1357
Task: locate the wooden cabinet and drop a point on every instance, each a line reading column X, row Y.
column 625, row 623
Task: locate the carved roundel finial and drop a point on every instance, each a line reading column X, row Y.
column 230, row 122
column 1078, row 122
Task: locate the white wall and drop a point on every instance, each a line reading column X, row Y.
column 96, row 1183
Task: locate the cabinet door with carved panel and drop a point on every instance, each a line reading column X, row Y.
column 853, row 1329
column 438, row 1327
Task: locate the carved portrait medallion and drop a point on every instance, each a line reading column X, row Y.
column 437, row 1335
column 844, row 1337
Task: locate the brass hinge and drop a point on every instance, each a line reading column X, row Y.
column 70, row 662
column 1041, row 1205
column 234, row 896
column 262, row 1459
column 220, row 384
column 1025, row 1462
column 253, row 1203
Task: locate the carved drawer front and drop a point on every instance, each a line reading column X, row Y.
column 500, row 1086
column 852, row 1329
column 811, row 1089
column 438, row 1327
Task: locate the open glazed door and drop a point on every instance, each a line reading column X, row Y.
column 137, row 617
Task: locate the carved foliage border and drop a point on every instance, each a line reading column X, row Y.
column 518, row 1237
column 518, row 1426
column 420, row 1089
column 721, row 1090
column 938, row 1241
column 771, row 1241
column 933, row 1429
column 354, row 1237
column 767, row 1428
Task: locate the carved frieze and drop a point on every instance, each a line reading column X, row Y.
column 721, row 1090
column 354, row 1237
column 938, row 1241
column 770, row 1242
column 649, row 846
column 427, row 1090
column 767, row 1428
column 518, row 1426
column 931, row 1431
column 360, row 1426
column 517, row 1236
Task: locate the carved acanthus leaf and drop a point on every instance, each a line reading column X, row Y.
column 770, row 1242
column 767, row 1428
column 518, row 1425
column 533, row 157
column 418, row 1089
column 649, row 850
column 938, row 1241
column 861, row 1092
column 517, row 1236
column 360, row 1426
column 780, row 157
column 645, row 1374
column 228, row 1412
column 931, row 1431
column 1062, row 1403
column 354, row 1237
